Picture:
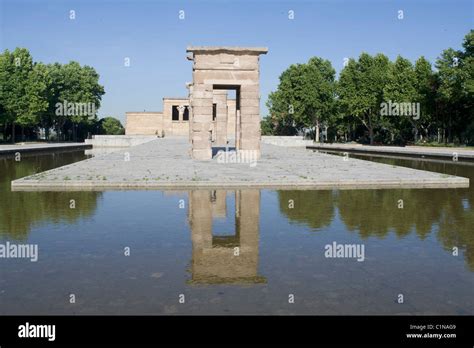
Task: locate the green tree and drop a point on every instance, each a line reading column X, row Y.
column 268, row 126
column 401, row 88
column 468, row 85
column 22, row 92
column 360, row 89
column 77, row 85
column 285, row 104
column 305, row 96
column 425, row 85
column 320, row 99
column 449, row 91
column 111, row 126
column 455, row 92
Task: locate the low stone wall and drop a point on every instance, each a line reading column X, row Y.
column 288, row 141
column 119, row 140
column 144, row 123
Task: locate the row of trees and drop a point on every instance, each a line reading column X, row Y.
column 366, row 103
column 36, row 96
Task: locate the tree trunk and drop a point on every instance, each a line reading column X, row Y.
column 316, row 136
column 13, row 132
column 371, row 131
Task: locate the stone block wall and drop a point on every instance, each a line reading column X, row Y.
column 218, row 68
column 174, row 128
column 144, row 123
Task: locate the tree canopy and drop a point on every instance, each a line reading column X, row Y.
column 440, row 100
column 305, row 96
column 32, row 92
column 111, row 126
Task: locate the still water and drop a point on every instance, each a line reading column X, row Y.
column 237, row 251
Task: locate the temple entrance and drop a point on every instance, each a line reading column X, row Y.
column 226, row 120
column 216, row 70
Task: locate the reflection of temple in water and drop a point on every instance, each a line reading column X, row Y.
column 224, row 258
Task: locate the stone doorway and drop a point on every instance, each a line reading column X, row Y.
column 217, row 69
column 226, row 118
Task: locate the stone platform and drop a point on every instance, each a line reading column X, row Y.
column 166, row 164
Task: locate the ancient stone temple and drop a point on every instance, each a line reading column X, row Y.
column 174, row 119
column 223, row 107
column 224, row 68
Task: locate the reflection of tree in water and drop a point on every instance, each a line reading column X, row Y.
column 375, row 213
column 456, row 216
column 313, row 208
column 456, row 226
column 20, row 211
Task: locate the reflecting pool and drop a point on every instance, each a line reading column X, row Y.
column 237, row 251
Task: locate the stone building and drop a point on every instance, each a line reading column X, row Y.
column 225, row 68
column 209, row 117
column 174, row 120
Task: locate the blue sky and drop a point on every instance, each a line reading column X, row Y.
column 153, row 36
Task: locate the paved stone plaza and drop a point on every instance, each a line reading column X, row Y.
column 165, row 163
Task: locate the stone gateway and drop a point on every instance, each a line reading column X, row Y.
column 208, row 116
column 225, row 68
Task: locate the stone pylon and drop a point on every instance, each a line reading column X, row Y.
column 221, row 68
